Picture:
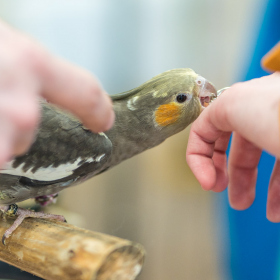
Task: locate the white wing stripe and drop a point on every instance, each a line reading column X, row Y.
column 49, row 173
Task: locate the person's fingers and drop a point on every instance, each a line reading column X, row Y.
column 242, row 167
column 199, row 158
column 205, row 153
column 220, row 162
column 200, row 150
column 19, row 109
column 60, row 82
column 27, row 71
column 6, row 140
column 76, row 90
column 273, row 198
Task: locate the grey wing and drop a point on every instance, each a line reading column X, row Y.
column 64, row 152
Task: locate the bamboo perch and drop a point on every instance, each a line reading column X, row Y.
column 55, row 250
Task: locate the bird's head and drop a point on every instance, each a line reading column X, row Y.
column 170, row 101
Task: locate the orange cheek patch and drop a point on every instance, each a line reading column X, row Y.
column 167, row 114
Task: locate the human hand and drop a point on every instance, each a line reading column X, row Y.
column 251, row 111
column 28, row 71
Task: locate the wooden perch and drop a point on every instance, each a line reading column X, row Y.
column 55, row 250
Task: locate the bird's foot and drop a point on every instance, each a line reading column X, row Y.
column 45, row 200
column 13, row 210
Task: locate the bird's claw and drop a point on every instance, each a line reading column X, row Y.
column 13, row 210
column 4, row 237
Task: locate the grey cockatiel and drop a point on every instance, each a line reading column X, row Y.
column 66, row 153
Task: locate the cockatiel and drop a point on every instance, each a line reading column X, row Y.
column 66, row 153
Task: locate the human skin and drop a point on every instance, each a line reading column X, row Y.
column 249, row 110
column 27, row 72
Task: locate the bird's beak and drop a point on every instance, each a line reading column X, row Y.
column 206, row 91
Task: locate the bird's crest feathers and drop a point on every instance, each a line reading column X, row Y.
column 153, row 85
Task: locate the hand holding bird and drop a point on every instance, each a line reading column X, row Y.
column 27, row 72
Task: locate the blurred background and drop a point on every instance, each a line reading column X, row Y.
column 153, row 198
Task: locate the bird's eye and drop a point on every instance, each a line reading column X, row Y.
column 182, row 97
